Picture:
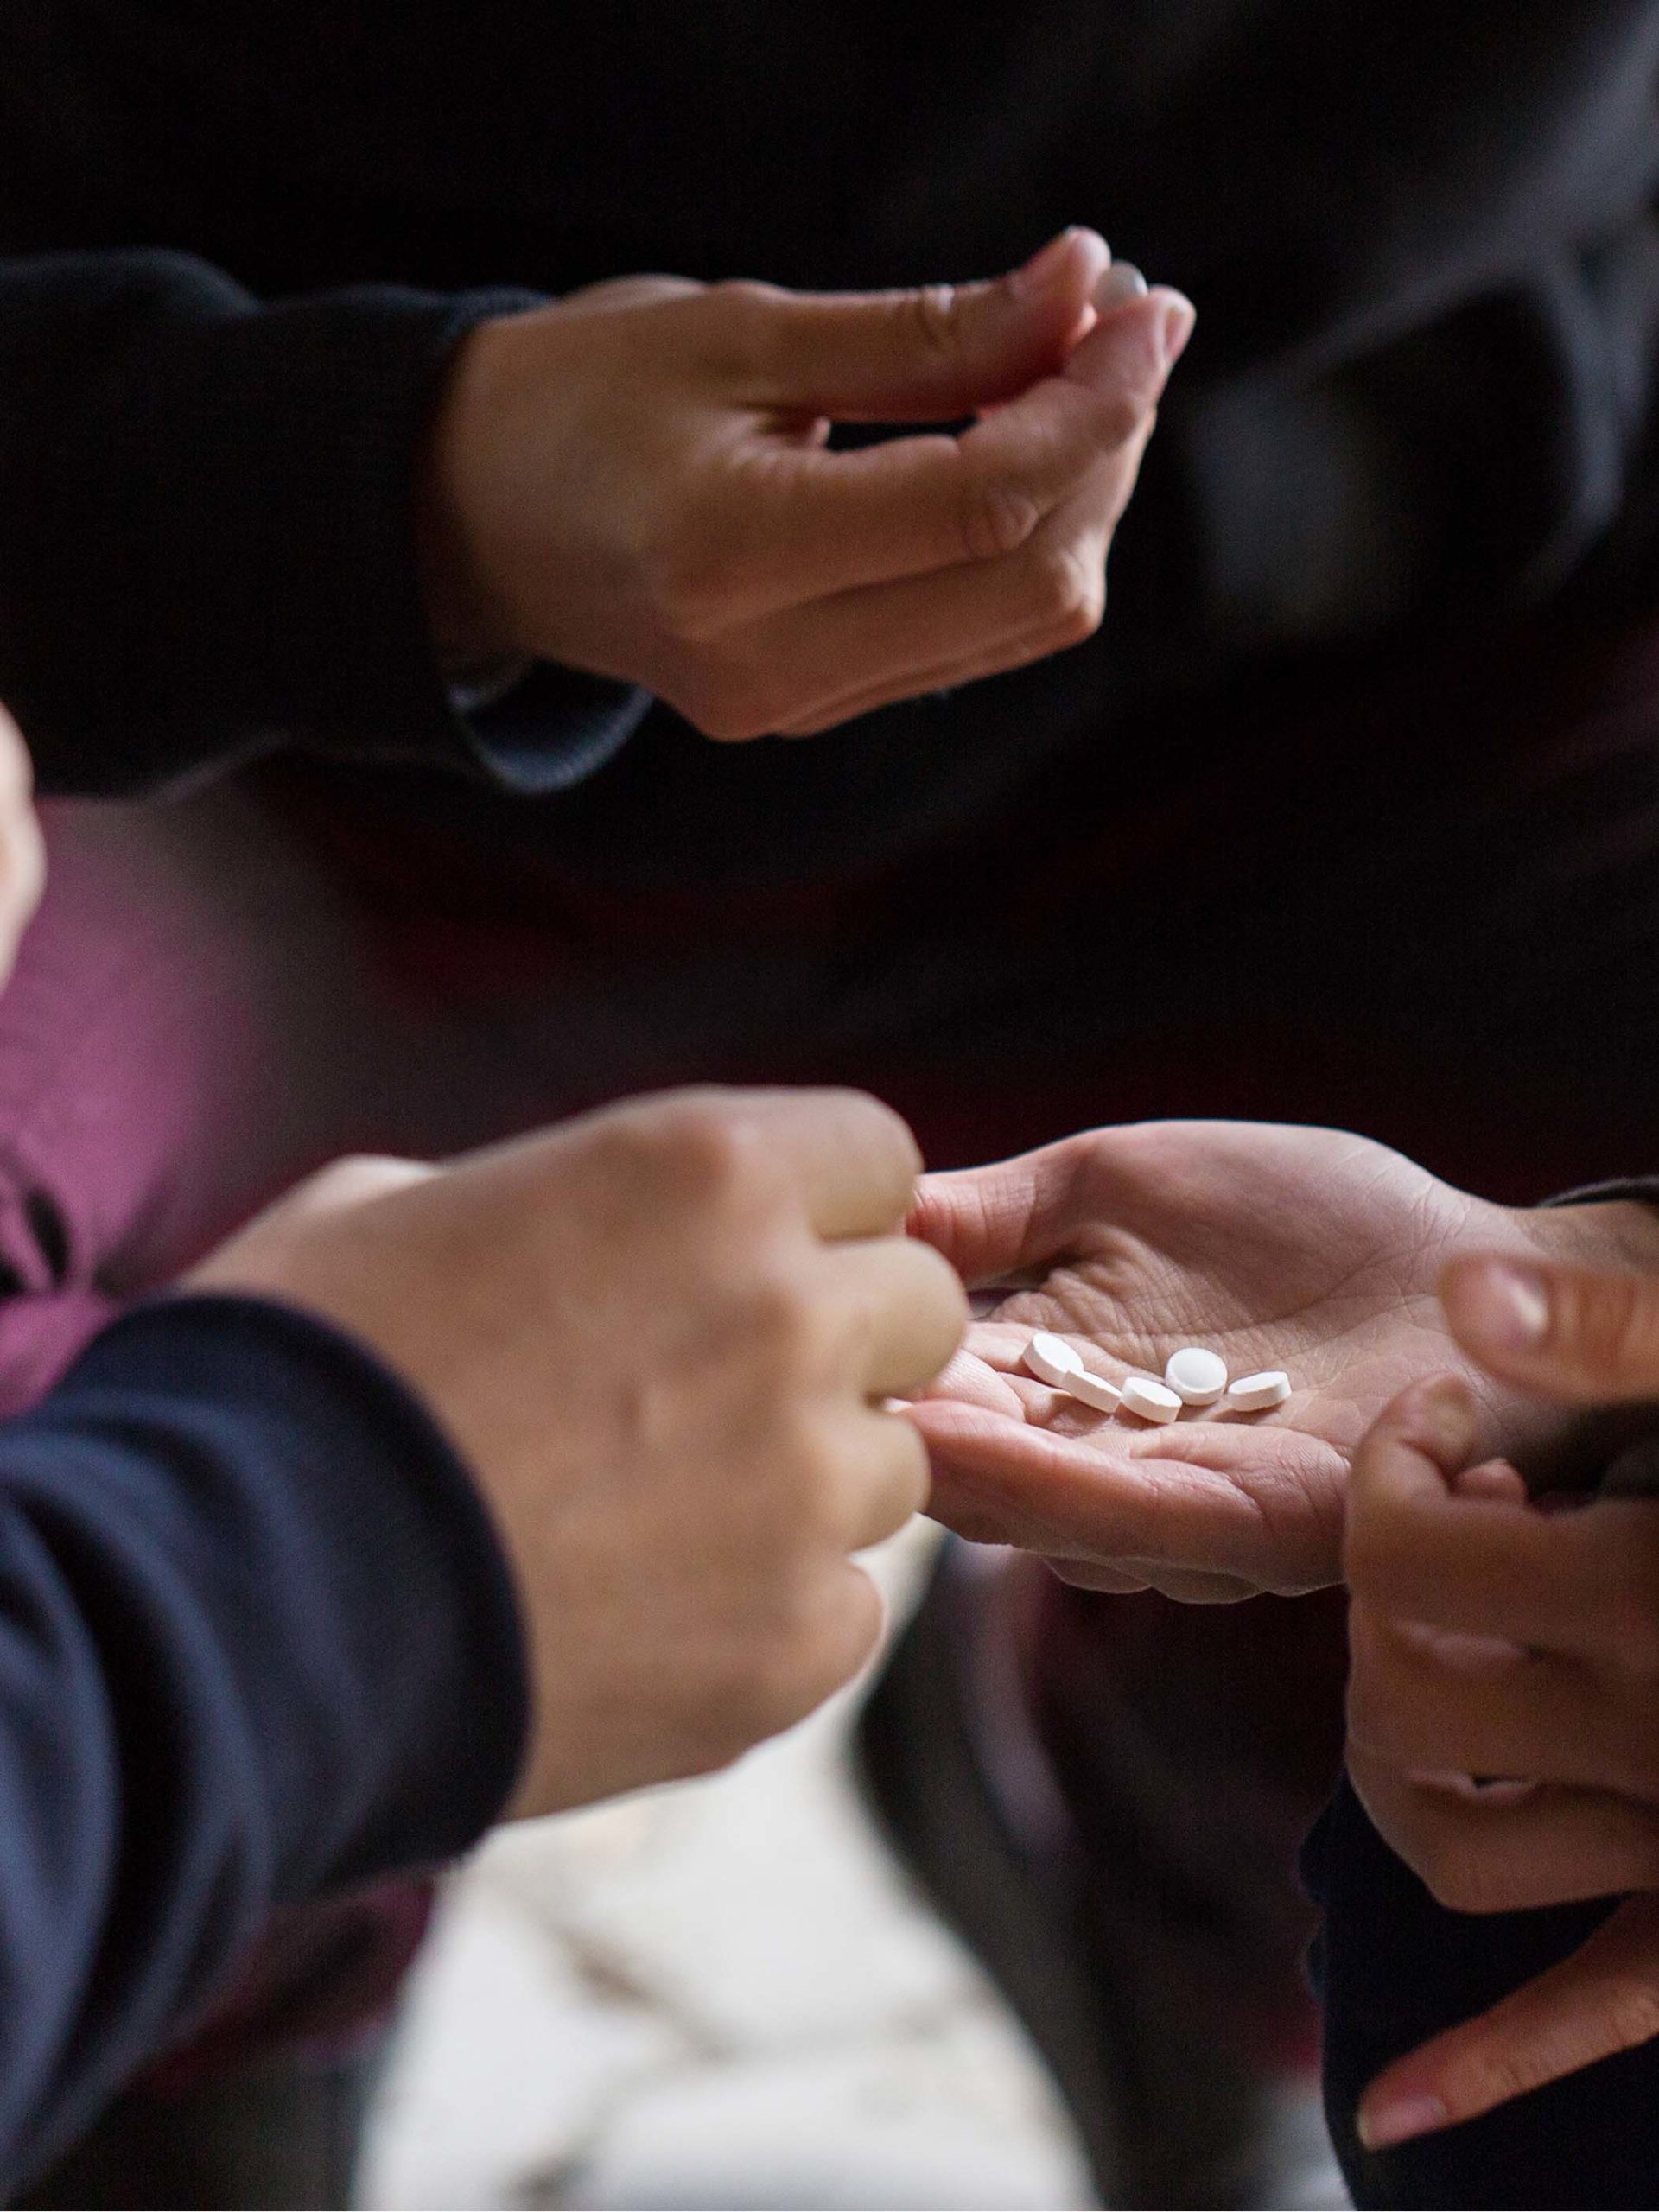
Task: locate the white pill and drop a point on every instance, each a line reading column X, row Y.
column 1121, row 281
column 1051, row 1359
column 1094, row 1390
column 1254, row 1394
column 1196, row 1377
column 1152, row 1400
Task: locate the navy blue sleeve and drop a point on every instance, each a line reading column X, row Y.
column 208, row 544
column 258, row 1642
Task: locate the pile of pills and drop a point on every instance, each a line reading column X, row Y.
column 1192, row 1376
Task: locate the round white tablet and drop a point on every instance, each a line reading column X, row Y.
column 1051, row 1359
column 1152, row 1400
column 1094, row 1390
column 1254, row 1394
column 1196, row 1377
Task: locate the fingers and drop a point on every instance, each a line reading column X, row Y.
column 906, row 1308
column 925, row 354
column 1480, row 1854
column 851, row 1162
column 1418, row 1701
column 896, row 639
column 810, row 523
column 1000, row 1481
column 892, row 1484
column 994, row 1223
column 1564, row 1332
column 1604, row 1998
column 1580, row 1584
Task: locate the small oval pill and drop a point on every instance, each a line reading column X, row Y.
column 1094, row 1390
column 1051, row 1359
column 1197, row 1377
column 1254, row 1394
column 1152, row 1400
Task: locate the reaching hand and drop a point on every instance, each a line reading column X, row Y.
column 636, row 482
column 1302, row 1248
column 1492, row 1638
column 661, row 1337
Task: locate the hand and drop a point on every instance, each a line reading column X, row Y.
column 1492, row 1638
column 662, row 1336
column 22, row 852
column 1294, row 1248
column 635, row 482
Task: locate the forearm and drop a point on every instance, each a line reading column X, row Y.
column 258, row 1643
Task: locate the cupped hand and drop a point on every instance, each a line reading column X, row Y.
column 637, row 482
column 1308, row 1249
column 1492, row 1638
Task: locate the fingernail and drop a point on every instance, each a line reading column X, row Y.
column 1506, row 1305
column 1380, row 2130
column 1039, row 274
column 1448, row 1413
column 1121, row 281
column 1179, row 318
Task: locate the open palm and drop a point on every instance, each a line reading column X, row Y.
column 1303, row 1248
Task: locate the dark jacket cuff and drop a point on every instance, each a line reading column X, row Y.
column 208, row 545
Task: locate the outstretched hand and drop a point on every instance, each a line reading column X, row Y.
column 1303, row 1248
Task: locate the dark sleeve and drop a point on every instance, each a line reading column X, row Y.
column 207, row 536
column 258, row 1642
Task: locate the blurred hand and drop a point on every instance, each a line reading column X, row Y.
column 635, row 482
column 22, row 853
column 1492, row 1638
column 1302, row 1248
column 661, row 1337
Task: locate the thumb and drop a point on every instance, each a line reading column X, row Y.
column 933, row 353
column 1602, row 1999
column 994, row 1223
column 1566, row 1332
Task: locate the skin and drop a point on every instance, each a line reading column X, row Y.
column 1491, row 1637
column 663, row 1337
column 22, row 853
column 1308, row 1250
column 637, row 482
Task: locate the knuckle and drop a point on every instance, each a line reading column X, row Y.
column 998, row 517
column 694, row 1153
column 794, row 1330
column 728, row 704
column 742, row 324
column 1069, row 591
column 932, row 312
column 688, row 583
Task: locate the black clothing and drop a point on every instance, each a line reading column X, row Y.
column 1420, row 238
